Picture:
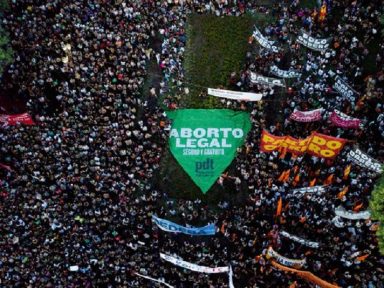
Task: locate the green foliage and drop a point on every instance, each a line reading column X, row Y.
column 6, row 52
column 4, row 5
column 377, row 209
column 216, row 47
column 308, row 4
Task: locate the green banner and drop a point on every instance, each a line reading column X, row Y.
column 204, row 141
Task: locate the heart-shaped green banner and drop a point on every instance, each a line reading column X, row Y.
column 205, row 141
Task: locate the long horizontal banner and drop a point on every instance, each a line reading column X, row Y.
column 344, row 89
column 297, row 263
column 317, row 144
column 235, row 95
column 169, row 226
column 314, row 189
column 307, row 116
column 365, row 161
column 300, row 240
column 260, row 79
column 284, row 73
column 313, row 43
column 305, row 275
column 264, row 42
column 12, row 120
column 193, row 267
column 341, row 212
column 342, row 120
column 155, row 280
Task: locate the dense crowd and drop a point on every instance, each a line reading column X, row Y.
column 80, row 192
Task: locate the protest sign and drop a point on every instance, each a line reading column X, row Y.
column 155, row 280
column 342, row 120
column 169, row 226
column 302, row 241
column 205, row 141
column 307, row 116
column 12, row 120
column 313, row 43
column 197, row 268
column 297, row 263
column 344, row 89
column 341, row 212
column 264, row 42
column 314, row 189
column 260, row 79
column 365, row 161
column 317, row 144
column 284, row 73
column 235, row 95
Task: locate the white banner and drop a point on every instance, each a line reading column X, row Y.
column 283, row 260
column 365, row 161
column 300, row 240
column 193, row 267
column 344, row 89
column 264, row 42
column 314, row 189
column 155, row 280
column 341, row 212
column 230, row 276
column 313, row 43
column 235, row 95
column 260, row 79
column 284, row 73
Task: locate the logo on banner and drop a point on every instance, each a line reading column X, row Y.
column 205, row 141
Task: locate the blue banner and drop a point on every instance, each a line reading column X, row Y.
column 169, row 226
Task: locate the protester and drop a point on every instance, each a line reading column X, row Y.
column 76, row 193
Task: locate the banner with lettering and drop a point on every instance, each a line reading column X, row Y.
column 305, row 275
column 260, row 79
column 307, row 116
column 264, row 42
column 190, row 266
column 235, row 95
column 284, row 73
column 344, row 89
column 155, row 280
column 313, row 43
column 317, row 144
column 297, row 263
column 365, row 161
column 302, row 241
column 351, row 215
column 12, row 120
column 314, row 189
column 342, row 120
column 169, row 226
column 205, row 141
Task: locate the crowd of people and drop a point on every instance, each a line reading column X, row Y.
column 79, row 189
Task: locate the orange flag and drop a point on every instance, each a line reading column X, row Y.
column 279, row 207
column 357, row 207
column 329, row 180
column 362, row 258
column 286, row 176
column 296, row 180
column 313, row 182
column 343, row 192
column 347, row 170
column 281, row 177
column 283, row 153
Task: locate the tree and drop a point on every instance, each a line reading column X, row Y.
column 6, row 52
column 377, row 209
